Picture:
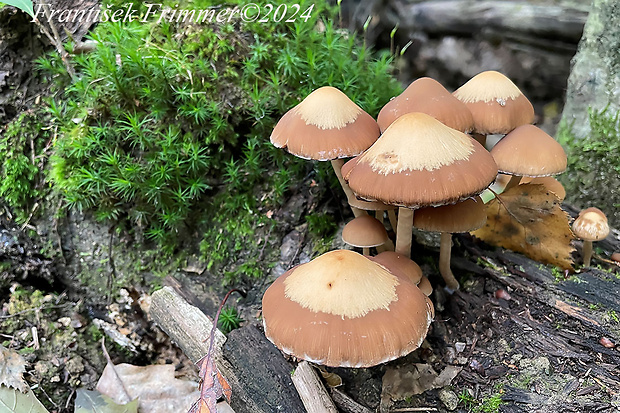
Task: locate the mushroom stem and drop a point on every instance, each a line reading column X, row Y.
column 383, row 247
column 445, row 250
column 366, row 251
column 482, row 139
column 404, row 233
column 393, row 219
column 514, row 181
column 587, row 253
column 337, row 165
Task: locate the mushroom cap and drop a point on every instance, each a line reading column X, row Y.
column 399, row 264
column 425, row 286
column 464, row 216
column 496, row 104
column 529, row 151
column 549, row 182
column 364, row 232
column 591, row 225
column 428, row 96
column 369, row 206
column 343, row 310
column 326, row 125
column 615, row 257
column 418, row 161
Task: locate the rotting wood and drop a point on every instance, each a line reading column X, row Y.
column 258, row 374
column 346, row 403
column 311, row 390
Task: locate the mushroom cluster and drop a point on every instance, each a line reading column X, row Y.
column 348, row 309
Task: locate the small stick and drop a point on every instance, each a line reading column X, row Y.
column 311, row 390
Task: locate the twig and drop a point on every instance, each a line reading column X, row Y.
column 111, row 364
column 34, row 208
column 415, row 409
column 55, row 39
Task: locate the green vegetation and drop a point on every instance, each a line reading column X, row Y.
column 593, row 163
column 164, row 131
column 490, row 404
column 229, row 319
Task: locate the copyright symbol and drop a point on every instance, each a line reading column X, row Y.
column 250, row 12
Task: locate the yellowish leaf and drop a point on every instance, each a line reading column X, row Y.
column 528, row 219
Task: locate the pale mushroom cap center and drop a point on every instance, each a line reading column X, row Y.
column 487, row 87
column 416, row 142
column 341, row 283
column 328, row 108
column 591, row 226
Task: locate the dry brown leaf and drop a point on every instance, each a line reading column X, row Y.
column 528, row 219
column 12, row 367
column 408, row 380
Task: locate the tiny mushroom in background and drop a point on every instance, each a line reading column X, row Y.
column 615, row 257
column 590, row 225
column 418, row 162
column 496, row 104
column 399, row 264
column 326, row 126
column 344, row 310
column 465, row 216
column 428, row 96
column 528, row 151
column 364, row 232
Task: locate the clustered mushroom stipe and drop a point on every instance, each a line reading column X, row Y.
column 351, row 310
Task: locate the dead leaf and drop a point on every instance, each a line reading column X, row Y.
column 155, row 386
column 408, row 380
column 528, row 219
column 14, row 401
column 12, row 366
column 87, row 401
column 332, row 379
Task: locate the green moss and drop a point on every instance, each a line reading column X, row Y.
column 593, row 171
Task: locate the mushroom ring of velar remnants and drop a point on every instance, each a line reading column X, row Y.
column 344, row 310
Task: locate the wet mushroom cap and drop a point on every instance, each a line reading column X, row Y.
column 418, row 161
column 496, row 103
column 428, row 96
column 343, row 310
column 591, row 225
column 326, row 125
column 400, row 265
column 464, row 216
column 364, row 232
column 529, row 151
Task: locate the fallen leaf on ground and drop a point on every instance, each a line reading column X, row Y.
column 14, row 401
column 411, row 379
column 12, row 367
column 87, row 401
column 528, row 219
column 155, row 386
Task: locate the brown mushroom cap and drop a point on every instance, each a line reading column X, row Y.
column 326, row 125
column 549, row 182
column 418, row 161
column 529, row 151
column 369, row 206
column 591, row 225
column 399, row 264
column 342, row 309
column 364, row 232
column 425, row 286
column 464, row 216
column 615, row 257
column 497, row 104
column 428, row 96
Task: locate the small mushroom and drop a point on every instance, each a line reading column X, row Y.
column 528, row 151
column 364, row 232
column 590, row 225
column 615, row 257
column 496, row 104
column 418, row 162
column 428, row 96
column 326, row 126
column 399, row 264
column 465, row 216
column 343, row 310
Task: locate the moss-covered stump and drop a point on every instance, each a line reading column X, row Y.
column 590, row 128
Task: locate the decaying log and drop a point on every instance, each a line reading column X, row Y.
column 258, row 374
column 467, row 17
column 311, row 390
